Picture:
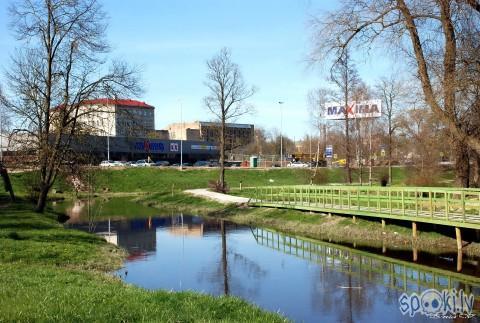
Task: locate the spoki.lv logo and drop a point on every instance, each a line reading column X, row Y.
column 435, row 303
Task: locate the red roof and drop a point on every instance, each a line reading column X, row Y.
column 122, row 102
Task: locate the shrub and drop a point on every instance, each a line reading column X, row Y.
column 217, row 187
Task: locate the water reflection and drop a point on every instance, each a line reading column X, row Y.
column 307, row 280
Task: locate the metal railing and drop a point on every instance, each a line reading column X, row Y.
column 446, row 206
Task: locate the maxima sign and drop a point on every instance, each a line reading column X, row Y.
column 361, row 109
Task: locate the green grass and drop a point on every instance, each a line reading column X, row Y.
column 49, row 273
column 180, row 202
column 164, row 180
column 141, row 180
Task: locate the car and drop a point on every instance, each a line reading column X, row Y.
column 161, row 163
column 298, row 165
column 143, row 163
column 109, row 163
column 201, row 163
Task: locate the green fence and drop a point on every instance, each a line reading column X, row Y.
column 393, row 273
column 446, row 206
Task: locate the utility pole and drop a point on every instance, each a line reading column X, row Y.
column 181, row 137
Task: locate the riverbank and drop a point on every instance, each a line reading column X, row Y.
column 365, row 232
column 163, row 189
column 49, row 273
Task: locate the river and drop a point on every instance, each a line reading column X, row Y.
column 306, row 280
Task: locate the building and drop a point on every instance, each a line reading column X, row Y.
column 237, row 134
column 135, row 148
column 117, row 117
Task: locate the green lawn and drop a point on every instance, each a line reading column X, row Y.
column 156, row 179
column 49, row 273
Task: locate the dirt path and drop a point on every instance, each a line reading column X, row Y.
column 218, row 197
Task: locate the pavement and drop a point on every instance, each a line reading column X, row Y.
column 218, row 197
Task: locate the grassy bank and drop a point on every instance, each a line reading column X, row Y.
column 48, row 273
column 155, row 179
column 162, row 188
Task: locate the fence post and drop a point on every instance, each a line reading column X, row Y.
column 358, row 198
column 416, row 202
column 349, row 202
column 458, row 235
column 463, row 205
column 368, row 199
column 390, row 199
column 445, row 195
column 431, row 203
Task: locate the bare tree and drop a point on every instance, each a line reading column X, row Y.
column 428, row 33
column 228, row 93
column 316, row 102
column 61, row 63
column 345, row 76
column 393, row 91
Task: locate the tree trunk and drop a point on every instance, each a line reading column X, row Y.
column 476, row 169
column 42, row 198
column 347, row 147
column 6, row 182
column 462, row 163
column 390, row 157
column 221, row 180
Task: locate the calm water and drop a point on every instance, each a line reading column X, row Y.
column 306, row 280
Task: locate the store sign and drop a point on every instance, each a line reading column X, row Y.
column 149, row 146
column 354, row 110
column 174, row 146
column 204, row 147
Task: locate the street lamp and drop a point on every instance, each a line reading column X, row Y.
column 281, row 133
column 181, row 140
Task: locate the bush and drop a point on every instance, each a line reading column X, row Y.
column 320, row 177
column 217, row 187
column 383, row 179
column 428, row 176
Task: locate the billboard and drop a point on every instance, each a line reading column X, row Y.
column 360, row 109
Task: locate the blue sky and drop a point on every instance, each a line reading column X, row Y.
column 172, row 39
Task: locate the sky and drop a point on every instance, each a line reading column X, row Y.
column 171, row 40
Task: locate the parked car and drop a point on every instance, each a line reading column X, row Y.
column 201, row 163
column 143, row 163
column 109, row 163
column 298, row 165
column 161, row 163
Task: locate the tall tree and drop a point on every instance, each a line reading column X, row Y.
column 227, row 98
column 316, row 102
column 429, row 34
column 392, row 90
column 61, row 62
column 345, row 76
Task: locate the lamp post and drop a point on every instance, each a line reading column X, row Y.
column 181, row 140
column 281, row 133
